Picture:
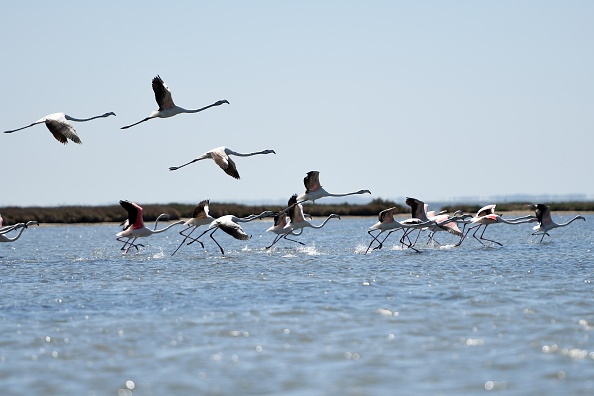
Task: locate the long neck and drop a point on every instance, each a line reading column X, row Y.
column 570, row 221
column 168, row 227
column 250, row 217
column 247, row 154
column 518, row 220
column 7, row 239
column 344, row 195
column 353, row 193
column 198, row 110
column 323, row 224
column 86, row 119
column 161, row 216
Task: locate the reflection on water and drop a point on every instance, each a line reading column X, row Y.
column 79, row 317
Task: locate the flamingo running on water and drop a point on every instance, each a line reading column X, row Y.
column 200, row 217
column 166, row 106
column 58, row 125
column 297, row 218
column 281, row 219
column 445, row 222
column 134, row 227
column 314, row 190
column 229, row 224
column 545, row 222
column 486, row 216
column 386, row 222
column 220, row 156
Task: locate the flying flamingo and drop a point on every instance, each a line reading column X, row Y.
column 200, row 216
column 58, row 125
column 220, row 156
column 7, row 229
column 166, row 106
column 486, row 216
column 297, row 218
column 228, row 224
column 386, row 222
column 280, row 222
column 545, row 222
column 314, row 190
column 134, row 227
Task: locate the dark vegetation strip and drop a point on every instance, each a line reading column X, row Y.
column 115, row 213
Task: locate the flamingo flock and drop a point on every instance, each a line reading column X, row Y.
column 291, row 221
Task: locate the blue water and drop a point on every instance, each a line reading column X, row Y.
column 79, row 317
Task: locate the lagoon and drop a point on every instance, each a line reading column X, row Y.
column 79, row 317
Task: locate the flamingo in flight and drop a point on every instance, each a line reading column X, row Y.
column 229, row 224
column 545, row 222
column 314, row 190
column 166, row 106
column 59, row 125
column 7, row 229
column 134, row 227
column 200, row 217
column 486, row 216
column 220, row 156
column 297, row 218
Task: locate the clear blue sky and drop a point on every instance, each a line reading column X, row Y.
column 436, row 100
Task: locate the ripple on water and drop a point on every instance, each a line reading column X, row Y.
column 80, row 317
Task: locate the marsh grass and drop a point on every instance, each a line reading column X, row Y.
column 115, row 213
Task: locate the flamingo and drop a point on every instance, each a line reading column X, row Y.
column 545, row 222
column 134, row 227
column 445, row 222
column 280, row 222
column 386, row 222
column 297, row 218
column 58, row 125
column 486, row 216
column 7, row 229
column 314, row 190
column 220, row 156
column 166, row 106
column 228, row 224
column 419, row 211
column 200, row 216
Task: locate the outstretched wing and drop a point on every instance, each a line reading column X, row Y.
column 201, row 210
column 387, row 215
column 234, row 230
column 543, row 213
column 312, row 181
column 162, row 94
column 486, row 210
column 417, row 208
column 224, row 162
column 134, row 214
column 62, row 131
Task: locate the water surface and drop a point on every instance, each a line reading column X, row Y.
column 79, row 317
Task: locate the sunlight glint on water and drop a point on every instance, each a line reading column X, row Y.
column 79, row 317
